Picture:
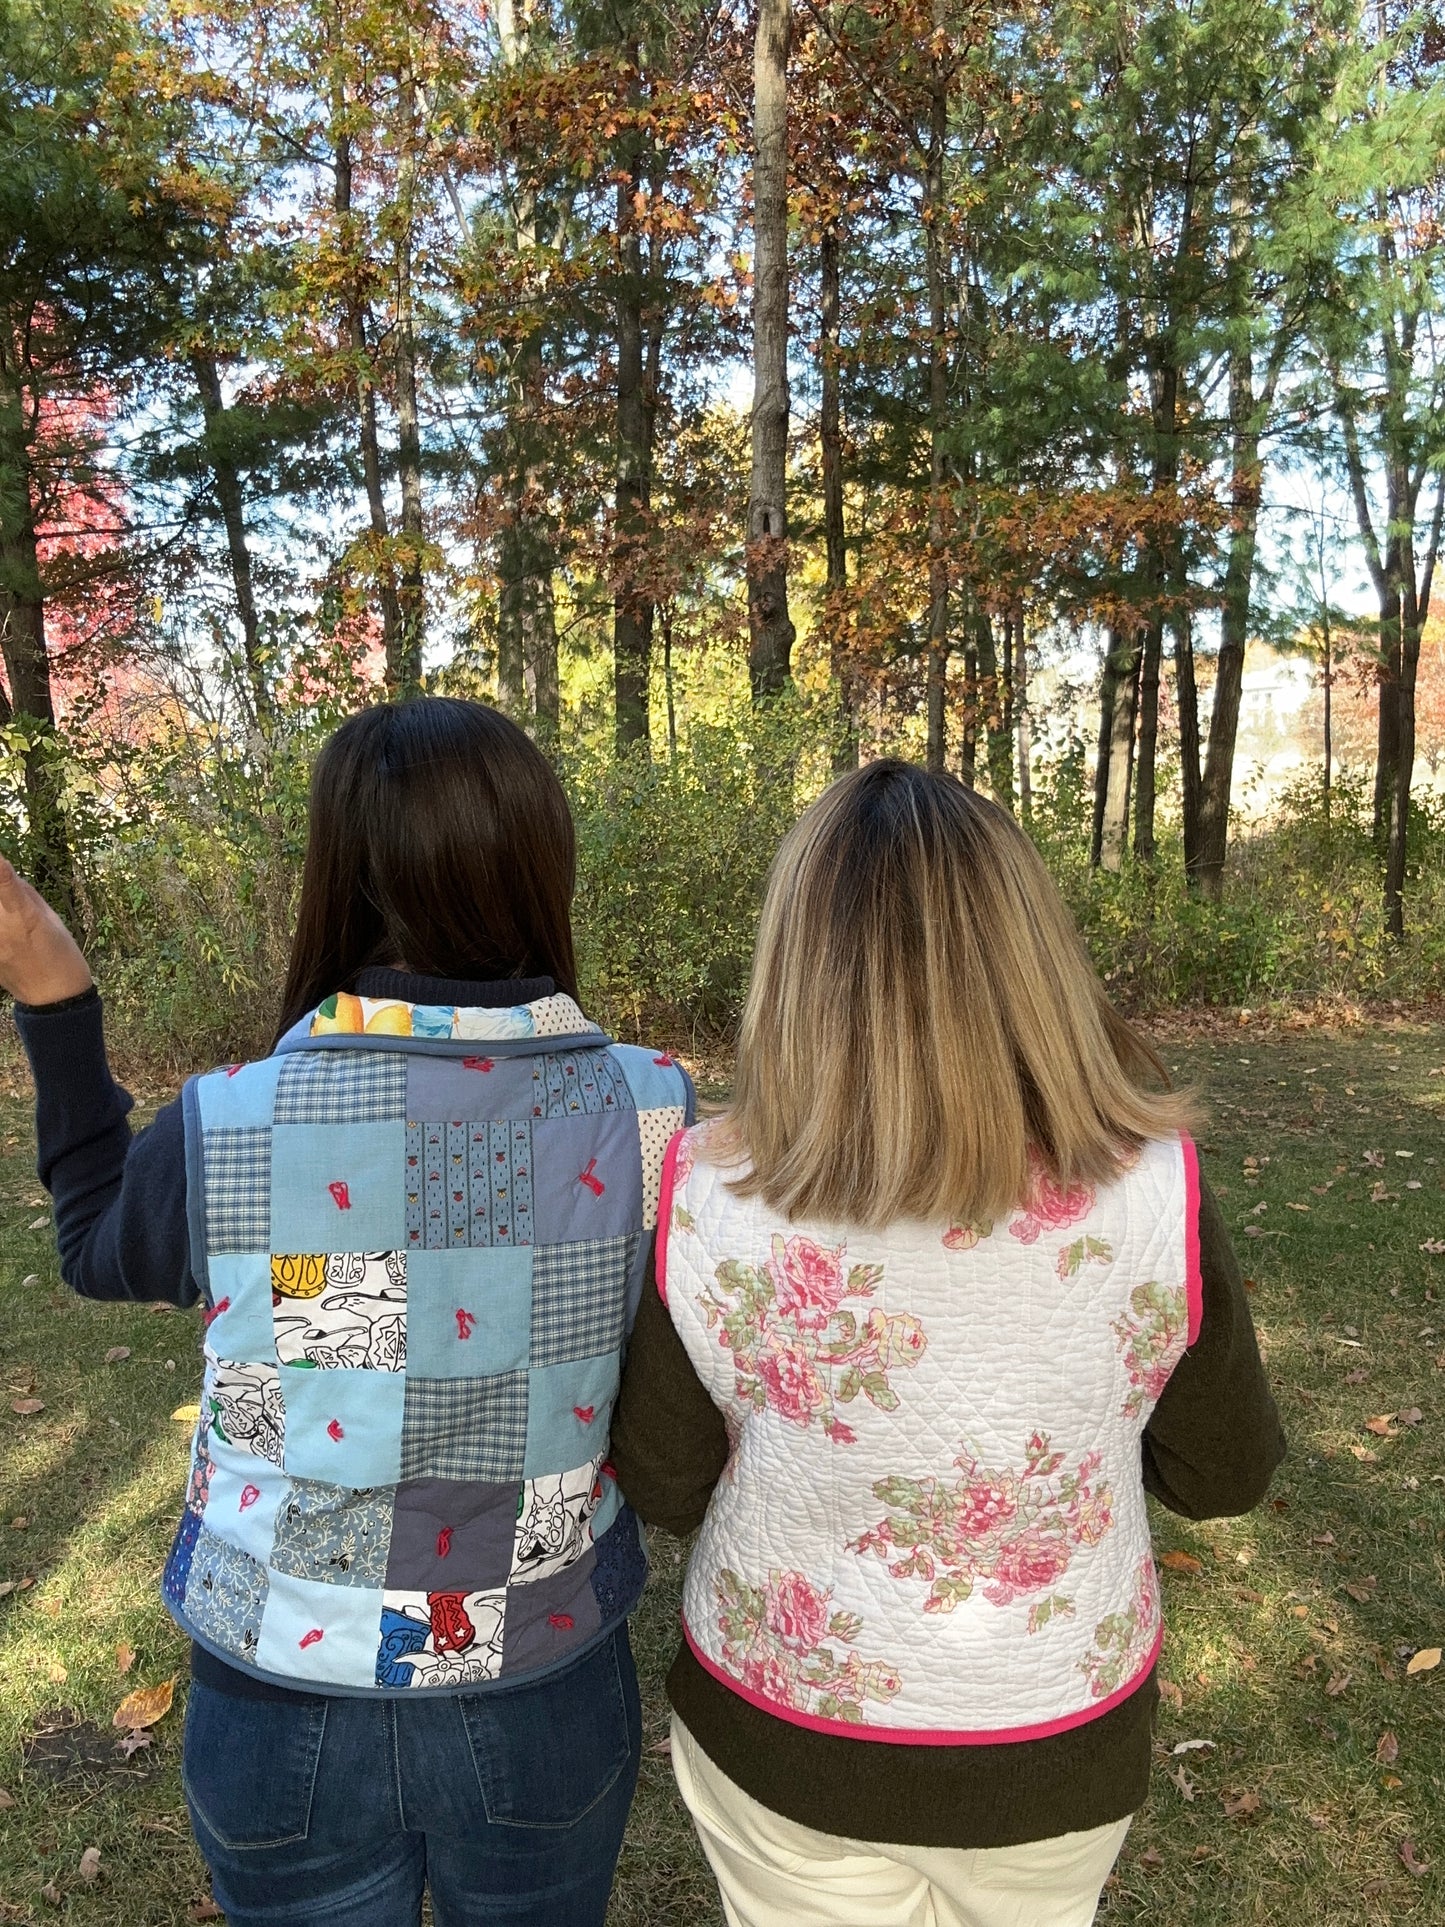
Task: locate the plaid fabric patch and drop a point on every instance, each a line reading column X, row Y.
column 572, row 1083
column 465, row 1428
column 238, row 1189
column 579, row 1298
column 340, row 1087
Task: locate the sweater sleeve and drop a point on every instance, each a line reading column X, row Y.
column 1214, row 1440
column 119, row 1199
column 669, row 1444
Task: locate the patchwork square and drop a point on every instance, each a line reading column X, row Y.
column 554, row 1524
column 578, row 1083
column 450, row 1533
column 465, row 1428
column 240, row 1095
column 238, row 1324
column 579, row 1298
column 177, row 1573
column 226, row 1597
column 440, row 1638
column 569, row 1413
column 654, row 1078
column 468, row 1184
column 336, row 1187
column 343, row 1426
column 469, row 1313
column 238, row 1189
column 550, row 1617
column 588, row 1178
column 341, row 1310
column 317, row 1631
column 655, row 1131
column 476, row 1086
column 334, row 1534
column 340, row 1087
column 241, row 1406
column 240, row 1505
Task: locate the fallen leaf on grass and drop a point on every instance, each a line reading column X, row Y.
column 1382, row 1425
column 187, row 1414
column 1413, row 1863
column 38, row 1224
column 1412, row 1415
column 89, row 1868
column 50, row 1892
column 1323, row 1539
column 27, row 1407
column 1435, row 1246
column 124, row 1657
column 1193, row 1746
column 1337, row 1684
column 1363, row 1589
column 1171, row 1693
column 133, row 1741
column 205, row 1910
column 1425, row 1661
column 1387, row 1749
column 7, row 1800
column 146, row 1706
column 57, row 1675
column 14, row 1585
column 1182, row 1780
column 1365, row 1455
column 1242, row 1806
column 116, row 1354
column 662, row 1746
column 1181, row 1562
column 1296, row 1207
column 30, row 1278
column 1151, row 1860
column 1357, row 1377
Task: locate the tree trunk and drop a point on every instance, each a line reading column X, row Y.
column 938, row 639
column 1144, row 793
column 1116, row 767
column 771, row 633
column 632, row 609
column 1233, row 634
column 1021, row 717
column 356, row 333
column 31, row 706
column 1397, row 847
column 830, row 437
column 1387, row 741
column 227, row 481
column 991, row 706
column 1187, row 697
column 403, row 675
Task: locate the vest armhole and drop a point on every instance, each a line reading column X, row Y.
column 664, row 1211
column 1193, row 1274
column 195, row 1186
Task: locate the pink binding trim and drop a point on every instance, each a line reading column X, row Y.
column 1193, row 1276
column 664, row 1211
column 928, row 1736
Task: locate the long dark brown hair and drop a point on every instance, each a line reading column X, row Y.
column 440, row 840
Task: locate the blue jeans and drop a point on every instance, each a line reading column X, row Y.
column 508, row 1804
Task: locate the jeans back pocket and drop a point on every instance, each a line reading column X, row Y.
column 249, row 1766
column 545, row 1754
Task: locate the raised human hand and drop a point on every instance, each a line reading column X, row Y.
column 40, row 962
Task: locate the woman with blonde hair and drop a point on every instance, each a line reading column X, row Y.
column 938, row 1300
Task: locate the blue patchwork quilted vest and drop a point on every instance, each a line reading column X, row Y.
column 420, row 1232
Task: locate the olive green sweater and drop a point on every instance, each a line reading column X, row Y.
column 1209, row 1451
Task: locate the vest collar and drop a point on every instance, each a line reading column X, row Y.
column 353, row 1019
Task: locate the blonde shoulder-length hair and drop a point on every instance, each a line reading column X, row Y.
column 923, row 1020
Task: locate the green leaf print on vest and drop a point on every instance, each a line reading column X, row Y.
column 778, row 1642
column 1151, row 1337
column 1015, row 1530
column 797, row 1349
column 1123, row 1641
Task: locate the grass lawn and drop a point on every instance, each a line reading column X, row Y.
column 1321, row 1792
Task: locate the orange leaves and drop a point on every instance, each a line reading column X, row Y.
column 1181, row 1562
column 147, row 1706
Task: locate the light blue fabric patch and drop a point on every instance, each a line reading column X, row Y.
column 248, row 1096
column 432, row 1020
column 569, row 1409
column 587, row 1178
column 652, row 1084
column 338, row 1187
column 469, row 1313
column 346, row 1617
column 244, row 1495
column 343, row 1426
column 244, row 1329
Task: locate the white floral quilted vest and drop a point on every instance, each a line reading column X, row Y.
column 931, row 1528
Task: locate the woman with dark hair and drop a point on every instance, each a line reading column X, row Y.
column 418, row 1231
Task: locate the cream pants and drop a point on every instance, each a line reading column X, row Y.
column 774, row 1873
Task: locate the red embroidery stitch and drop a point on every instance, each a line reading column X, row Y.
column 594, row 1184
column 444, row 1542
column 310, row 1639
column 664, row 1060
column 249, row 1496
column 477, row 1064
column 609, row 1470
column 465, row 1323
column 342, row 1194
column 224, row 1304
column 334, row 1430
column 231, row 1069
column 585, row 1412
column 564, row 1621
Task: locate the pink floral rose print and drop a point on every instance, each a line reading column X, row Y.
column 1151, row 1336
column 1049, row 1205
column 1011, row 1531
column 785, row 1642
column 1124, row 1640
column 799, row 1349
